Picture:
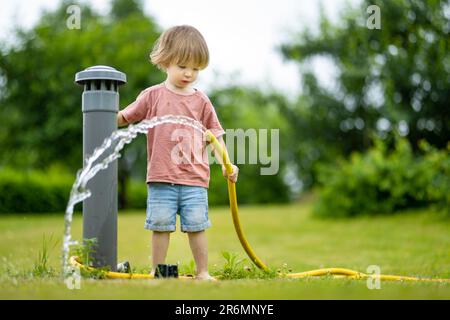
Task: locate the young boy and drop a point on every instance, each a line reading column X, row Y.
column 175, row 186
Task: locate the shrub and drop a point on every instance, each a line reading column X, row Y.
column 383, row 181
column 251, row 188
column 136, row 194
column 48, row 191
column 34, row 191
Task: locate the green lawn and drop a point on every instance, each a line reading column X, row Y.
column 412, row 243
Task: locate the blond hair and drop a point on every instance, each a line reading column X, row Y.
column 180, row 45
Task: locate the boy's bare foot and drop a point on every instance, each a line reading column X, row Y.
column 205, row 277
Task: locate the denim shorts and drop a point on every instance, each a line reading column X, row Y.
column 165, row 200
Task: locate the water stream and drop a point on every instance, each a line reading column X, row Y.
column 112, row 144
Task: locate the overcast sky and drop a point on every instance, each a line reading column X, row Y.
column 242, row 35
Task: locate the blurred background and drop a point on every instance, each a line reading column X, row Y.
column 363, row 113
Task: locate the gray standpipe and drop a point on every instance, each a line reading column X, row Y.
column 100, row 104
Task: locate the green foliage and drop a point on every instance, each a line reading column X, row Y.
column 382, row 76
column 136, row 194
column 38, row 96
column 236, row 268
column 246, row 108
column 85, row 252
column 34, row 191
column 187, row 269
column 232, row 262
column 398, row 75
column 49, row 191
column 41, row 267
column 382, row 181
column 435, row 168
column 43, row 105
column 125, row 8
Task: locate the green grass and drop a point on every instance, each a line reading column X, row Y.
column 286, row 237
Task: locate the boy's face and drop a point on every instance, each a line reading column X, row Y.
column 182, row 76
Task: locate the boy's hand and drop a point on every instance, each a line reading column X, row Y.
column 121, row 120
column 232, row 177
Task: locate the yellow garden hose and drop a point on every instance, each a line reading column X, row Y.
column 336, row 272
column 75, row 262
column 233, row 200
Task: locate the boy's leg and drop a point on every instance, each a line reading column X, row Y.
column 199, row 247
column 160, row 244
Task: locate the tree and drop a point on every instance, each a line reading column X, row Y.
column 248, row 110
column 122, row 9
column 41, row 105
column 394, row 79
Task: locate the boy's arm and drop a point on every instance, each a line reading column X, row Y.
column 121, row 120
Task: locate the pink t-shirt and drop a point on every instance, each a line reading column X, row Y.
column 175, row 153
